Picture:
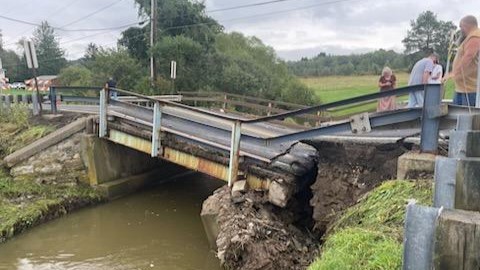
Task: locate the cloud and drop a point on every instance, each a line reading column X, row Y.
column 332, row 26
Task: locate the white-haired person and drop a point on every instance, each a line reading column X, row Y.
column 387, row 81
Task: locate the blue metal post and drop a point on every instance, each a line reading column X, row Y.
column 157, row 124
column 53, row 99
column 432, row 111
column 102, row 132
column 234, row 153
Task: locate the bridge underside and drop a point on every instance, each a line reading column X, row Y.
column 185, row 158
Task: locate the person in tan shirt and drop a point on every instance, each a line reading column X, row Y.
column 465, row 64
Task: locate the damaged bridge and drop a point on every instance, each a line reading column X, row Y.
column 263, row 151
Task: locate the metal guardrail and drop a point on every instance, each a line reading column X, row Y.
column 430, row 115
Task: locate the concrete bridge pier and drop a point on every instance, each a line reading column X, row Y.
column 118, row 170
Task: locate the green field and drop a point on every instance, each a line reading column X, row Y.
column 334, row 88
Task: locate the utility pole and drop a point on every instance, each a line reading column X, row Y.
column 153, row 30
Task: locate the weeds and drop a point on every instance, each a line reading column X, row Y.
column 369, row 235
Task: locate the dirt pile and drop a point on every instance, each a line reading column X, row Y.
column 254, row 234
column 345, row 172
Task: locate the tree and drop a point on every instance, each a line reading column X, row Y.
column 91, row 52
column 50, row 56
column 77, row 75
column 428, row 33
column 134, row 39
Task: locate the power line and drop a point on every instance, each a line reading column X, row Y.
column 246, row 6
column 91, row 14
column 233, row 19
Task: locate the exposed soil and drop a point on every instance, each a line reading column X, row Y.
column 254, row 234
column 60, row 120
column 347, row 171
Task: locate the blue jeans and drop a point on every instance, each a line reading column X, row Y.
column 464, row 99
column 415, row 99
column 113, row 94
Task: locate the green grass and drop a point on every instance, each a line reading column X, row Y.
column 24, row 203
column 369, row 235
column 17, row 92
column 333, row 88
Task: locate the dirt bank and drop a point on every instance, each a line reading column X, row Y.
column 347, row 171
column 254, row 234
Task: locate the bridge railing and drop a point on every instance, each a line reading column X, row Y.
column 429, row 115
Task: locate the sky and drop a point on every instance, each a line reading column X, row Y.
column 294, row 28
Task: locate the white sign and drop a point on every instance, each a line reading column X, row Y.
column 173, row 70
column 1, row 63
column 30, row 54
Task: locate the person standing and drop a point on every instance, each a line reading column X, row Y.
column 387, row 81
column 111, row 85
column 421, row 73
column 465, row 64
column 437, row 74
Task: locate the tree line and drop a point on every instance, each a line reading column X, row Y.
column 426, row 34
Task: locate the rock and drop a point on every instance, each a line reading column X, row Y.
column 279, row 194
column 239, row 188
column 22, row 170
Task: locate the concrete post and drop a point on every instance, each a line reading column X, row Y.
column 35, row 105
column 8, row 101
column 456, row 177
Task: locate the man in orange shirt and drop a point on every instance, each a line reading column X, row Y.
column 465, row 64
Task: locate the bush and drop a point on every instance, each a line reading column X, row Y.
column 18, row 115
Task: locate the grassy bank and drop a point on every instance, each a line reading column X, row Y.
column 334, row 88
column 369, row 235
column 26, row 203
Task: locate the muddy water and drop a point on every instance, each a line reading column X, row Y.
column 158, row 228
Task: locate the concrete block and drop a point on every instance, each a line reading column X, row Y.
column 279, row 193
column 457, row 241
column 209, row 215
column 466, row 122
column 238, row 188
column 467, row 187
column 464, row 144
column 444, row 189
column 411, row 164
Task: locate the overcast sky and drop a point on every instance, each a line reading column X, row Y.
column 295, row 28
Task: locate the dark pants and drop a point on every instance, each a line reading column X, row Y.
column 464, row 99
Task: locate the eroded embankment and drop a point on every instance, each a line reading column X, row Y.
column 41, row 189
column 253, row 234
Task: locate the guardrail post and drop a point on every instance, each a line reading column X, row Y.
column 269, row 112
column 102, row 130
column 8, row 101
column 35, row 104
column 234, row 153
column 432, row 111
column 53, row 99
column 157, row 124
column 224, row 105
